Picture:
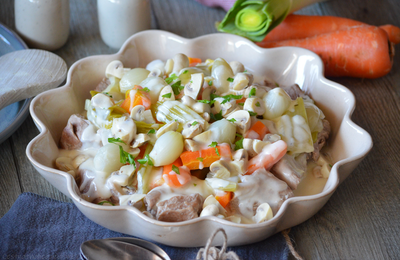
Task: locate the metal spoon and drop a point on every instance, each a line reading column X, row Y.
column 113, row 249
column 26, row 73
column 143, row 243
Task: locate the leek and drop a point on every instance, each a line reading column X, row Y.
column 255, row 19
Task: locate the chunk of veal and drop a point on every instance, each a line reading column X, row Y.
column 176, row 209
column 321, row 139
column 257, row 188
column 72, row 133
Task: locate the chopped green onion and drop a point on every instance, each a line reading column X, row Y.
column 105, row 201
column 211, row 102
column 194, row 184
column 171, row 78
column 152, row 131
column 241, row 104
column 228, row 98
column 252, row 92
column 147, row 160
column 195, row 123
column 186, row 71
column 214, row 144
column 210, row 83
column 252, row 113
column 239, row 143
column 232, row 120
column 230, row 79
column 258, row 104
column 168, row 95
column 176, row 87
column 276, row 84
column 199, row 159
column 146, row 89
column 217, row 116
column 115, row 140
column 176, row 169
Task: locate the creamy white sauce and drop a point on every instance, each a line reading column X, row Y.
column 310, row 185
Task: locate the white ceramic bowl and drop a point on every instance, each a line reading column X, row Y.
column 348, row 143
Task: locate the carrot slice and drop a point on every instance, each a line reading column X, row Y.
column 257, row 131
column 204, row 158
column 179, row 178
column 168, row 168
column 194, row 61
column 361, row 51
column 225, row 199
column 136, row 96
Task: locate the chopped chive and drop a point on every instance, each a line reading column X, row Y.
column 194, row 184
column 115, row 140
column 252, row 113
column 146, row 89
column 258, row 104
column 241, row 104
column 152, row 131
column 176, row 169
column 195, row 123
column 232, row 120
column 171, row 78
column 147, row 160
column 252, row 92
column 239, row 143
column 168, row 95
column 199, row 159
column 210, row 83
column 214, row 144
column 230, row 79
column 186, row 71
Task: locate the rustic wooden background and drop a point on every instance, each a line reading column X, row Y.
column 360, row 221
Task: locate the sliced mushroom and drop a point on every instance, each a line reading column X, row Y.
column 124, row 128
column 166, row 94
column 242, row 120
column 116, row 69
column 140, row 140
column 259, row 91
column 173, row 126
column 263, row 213
column 156, row 68
column 221, row 105
column 240, row 81
column 272, row 138
column 134, row 152
column 210, row 210
column 192, row 88
column 156, row 73
column 236, row 66
column 180, row 61
column 78, row 160
column 240, row 154
column 206, row 116
column 219, row 169
column 211, row 200
column 192, row 146
column 253, row 146
column 198, row 107
column 169, row 66
column 191, row 129
column 206, row 95
column 64, row 164
column 139, row 113
column 255, row 105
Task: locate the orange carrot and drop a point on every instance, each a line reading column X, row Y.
column 303, row 26
column 177, row 177
column 168, row 168
column 204, row 158
column 257, row 131
column 194, row 61
column 361, row 51
column 393, row 32
column 225, row 199
column 270, row 155
column 136, row 96
column 242, row 100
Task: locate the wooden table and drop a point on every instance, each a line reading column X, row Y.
column 360, row 221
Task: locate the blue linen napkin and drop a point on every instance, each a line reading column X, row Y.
column 37, row 227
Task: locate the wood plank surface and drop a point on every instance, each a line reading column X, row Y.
column 362, row 218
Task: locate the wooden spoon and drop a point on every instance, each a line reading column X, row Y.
column 26, row 73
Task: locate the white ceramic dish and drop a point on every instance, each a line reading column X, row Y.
column 348, row 143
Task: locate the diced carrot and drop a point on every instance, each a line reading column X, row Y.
column 225, row 199
column 361, row 51
column 194, row 61
column 204, row 158
column 136, row 96
column 168, row 168
column 257, row 131
column 174, row 179
column 242, row 100
column 142, row 149
column 270, row 155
